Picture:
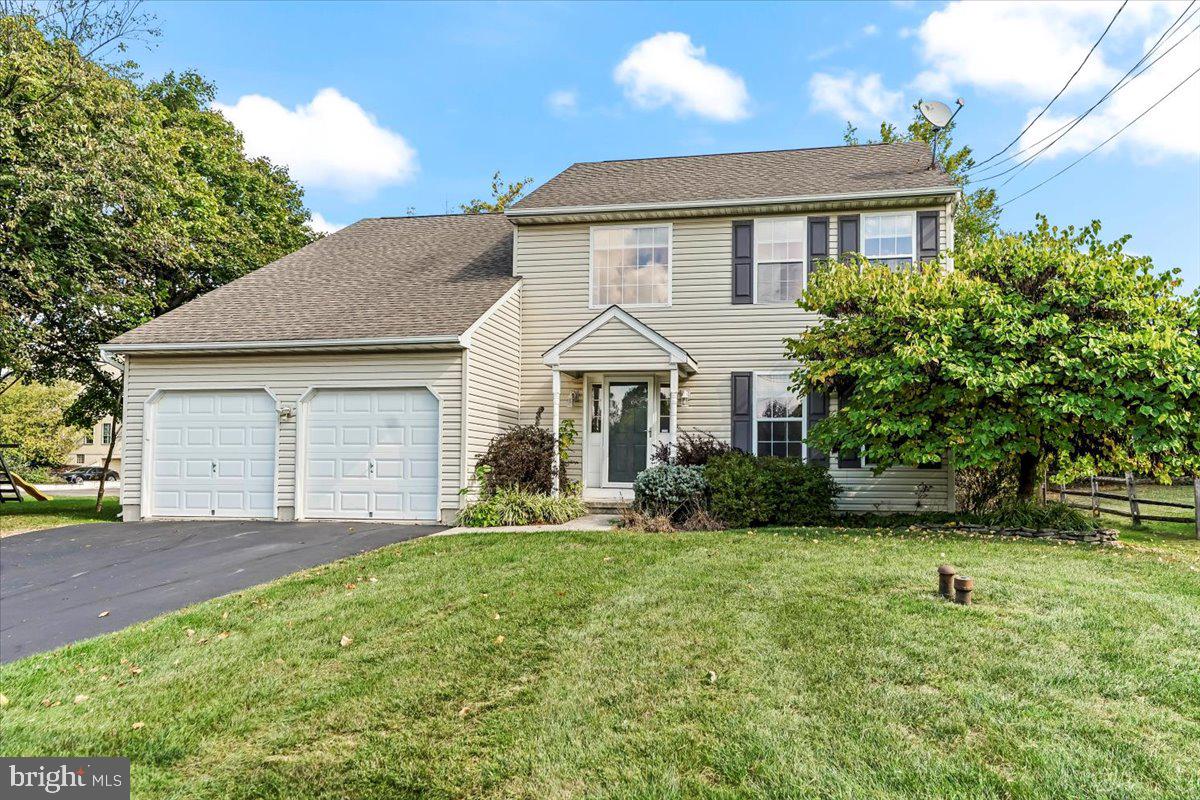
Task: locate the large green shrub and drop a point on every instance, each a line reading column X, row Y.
column 518, row 507
column 746, row 490
column 670, row 490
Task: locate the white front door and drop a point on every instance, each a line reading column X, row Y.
column 371, row 454
column 213, row 454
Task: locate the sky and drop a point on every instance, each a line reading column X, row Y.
column 385, row 109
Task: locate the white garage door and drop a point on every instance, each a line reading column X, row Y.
column 214, row 454
column 371, row 454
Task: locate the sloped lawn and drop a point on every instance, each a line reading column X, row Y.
column 799, row 664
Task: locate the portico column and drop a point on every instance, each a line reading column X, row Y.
column 674, row 408
column 557, row 388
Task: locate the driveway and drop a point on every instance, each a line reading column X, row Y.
column 54, row 583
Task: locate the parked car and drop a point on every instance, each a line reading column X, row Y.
column 89, row 474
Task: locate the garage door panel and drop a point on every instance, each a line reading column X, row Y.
column 213, row 454
column 371, row 453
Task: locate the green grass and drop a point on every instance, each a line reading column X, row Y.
column 31, row 515
column 838, row 673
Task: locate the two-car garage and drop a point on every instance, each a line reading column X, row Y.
column 356, row 453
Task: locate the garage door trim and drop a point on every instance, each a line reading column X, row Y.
column 150, row 405
column 302, row 434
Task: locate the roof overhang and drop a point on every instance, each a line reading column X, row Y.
column 447, row 341
column 751, row 205
column 675, row 354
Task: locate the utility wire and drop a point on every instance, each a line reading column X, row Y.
column 1064, row 86
column 1120, row 84
column 1106, row 141
column 1020, row 167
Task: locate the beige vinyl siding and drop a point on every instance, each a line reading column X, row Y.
column 289, row 376
column 493, row 379
column 615, row 345
column 719, row 336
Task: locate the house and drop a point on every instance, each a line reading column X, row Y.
column 94, row 447
column 362, row 376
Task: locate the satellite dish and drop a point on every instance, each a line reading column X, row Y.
column 938, row 114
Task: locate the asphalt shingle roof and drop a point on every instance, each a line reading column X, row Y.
column 741, row 176
column 394, row 277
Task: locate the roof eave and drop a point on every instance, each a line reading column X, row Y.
column 517, row 213
column 453, row 341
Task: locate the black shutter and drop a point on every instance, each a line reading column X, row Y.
column 847, row 236
column 741, row 404
column 818, row 242
column 852, row 459
column 818, row 409
column 927, row 235
column 743, row 262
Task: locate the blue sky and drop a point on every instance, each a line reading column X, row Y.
column 381, row 108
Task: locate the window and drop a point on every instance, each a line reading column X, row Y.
column 106, row 433
column 631, row 266
column 89, row 439
column 596, row 410
column 778, row 260
column 79, row 459
column 889, row 239
column 778, row 416
column 664, row 409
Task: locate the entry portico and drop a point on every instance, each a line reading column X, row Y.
column 625, row 366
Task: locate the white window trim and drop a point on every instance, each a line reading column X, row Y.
column 592, row 305
column 803, row 258
column 754, row 418
column 912, row 257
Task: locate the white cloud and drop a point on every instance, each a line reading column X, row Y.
column 1025, row 49
column 861, row 100
column 330, row 143
column 870, row 30
column 1028, row 50
column 667, row 69
column 321, row 225
column 563, row 101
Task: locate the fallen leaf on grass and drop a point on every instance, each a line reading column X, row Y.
column 191, row 631
column 135, row 670
column 462, row 712
column 225, row 615
column 80, row 698
column 223, row 635
column 346, row 640
column 137, row 726
column 712, row 676
column 102, row 614
column 500, row 639
column 496, row 615
column 3, row 700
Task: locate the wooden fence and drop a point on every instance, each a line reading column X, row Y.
column 1128, row 496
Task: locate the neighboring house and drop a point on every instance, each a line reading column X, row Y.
column 92, row 450
column 362, row 376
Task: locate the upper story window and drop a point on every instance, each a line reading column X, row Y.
column 106, row 433
column 631, row 266
column 778, row 416
column 890, row 239
column 778, row 260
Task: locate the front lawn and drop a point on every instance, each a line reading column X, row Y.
column 784, row 664
column 32, row 515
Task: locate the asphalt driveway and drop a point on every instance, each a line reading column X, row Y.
column 55, row 583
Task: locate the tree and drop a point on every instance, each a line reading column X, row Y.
column 977, row 216
column 503, row 195
column 1050, row 347
column 31, row 418
column 118, row 203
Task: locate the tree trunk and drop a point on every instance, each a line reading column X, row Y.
column 112, row 443
column 1027, row 473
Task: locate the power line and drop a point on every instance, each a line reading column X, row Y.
column 1070, row 125
column 1120, row 84
column 1064, row 86
column 1106, row 141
